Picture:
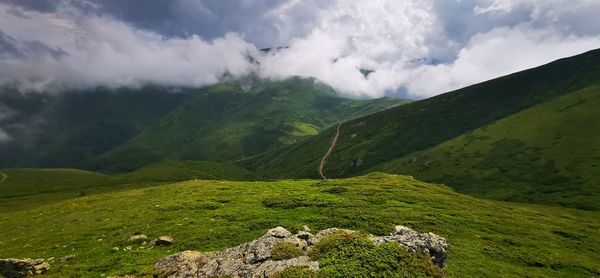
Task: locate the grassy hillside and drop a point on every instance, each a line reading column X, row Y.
column 23, row 188
column 188, row 170
column 228, row 122
column 69, row 129
column 118, row 130
column 489, row 238
column 549, row 153
column 390, row 134
column 395, row 133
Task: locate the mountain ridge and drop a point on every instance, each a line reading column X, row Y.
column 124, row 129
column 391, row 134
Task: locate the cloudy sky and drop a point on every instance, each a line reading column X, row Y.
column 418, row 48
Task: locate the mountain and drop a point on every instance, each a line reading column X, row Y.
column 122, row 130
column 70, row 128
column 230, row 121
column 379, row 140
column 204, row 167
column 549, row 153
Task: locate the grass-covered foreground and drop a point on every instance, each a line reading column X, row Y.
column 489, row 238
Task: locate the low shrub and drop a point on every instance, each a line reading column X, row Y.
column 296, row 272
column 335, row 190
column 285, row 251
column 354, row 255
column 286, row 202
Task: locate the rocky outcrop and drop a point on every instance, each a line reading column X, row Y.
column 429, row 244
column 251, row 259
column 16, row 268
column 255, row 259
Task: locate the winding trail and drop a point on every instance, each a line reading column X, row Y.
column 329, row 151
column 3, row 177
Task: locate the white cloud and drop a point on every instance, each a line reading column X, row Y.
column 418, row 47
column 91, row 51
column 389, row 36
column 496, row 53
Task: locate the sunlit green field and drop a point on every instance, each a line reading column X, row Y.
column 489, row 238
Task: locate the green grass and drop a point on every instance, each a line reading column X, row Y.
column 25, row 188
column 548, row 154
column 285, row 251
column 489, row 238
column 189, row 170
column 354, row 255
column 304, row 129
column 296, row 272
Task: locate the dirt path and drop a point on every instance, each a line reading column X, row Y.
column 329, row 151
column 3, row 177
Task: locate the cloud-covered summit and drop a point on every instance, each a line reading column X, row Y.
column 416, row 48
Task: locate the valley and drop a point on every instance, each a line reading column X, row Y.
column 505, row 171
column 516, row 135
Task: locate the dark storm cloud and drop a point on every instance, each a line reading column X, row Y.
column 212, row 18
column 209, row 19
column 37, row 5
column 8, row 46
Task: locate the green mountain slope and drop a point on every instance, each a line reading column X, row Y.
column 124, row 129
column 171, row 171
column 228, row 122
column 489, row 238
column 549, row 153
column 388, row 135
column 26, row 188
column 69, row 129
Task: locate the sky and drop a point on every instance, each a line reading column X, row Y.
column 416, row 48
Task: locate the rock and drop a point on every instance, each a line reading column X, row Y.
column 162, row 241
column 279, row 232
column 269, row 268
column 427, row 243
column 187, row 264
column 22, row 268
column 67, row 258
column 304, row 235
column 253, row 259
column 305, row 228
column 138, row 238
